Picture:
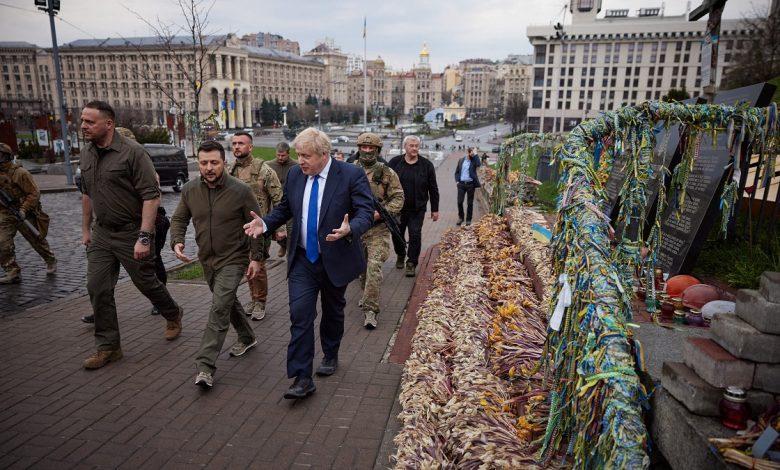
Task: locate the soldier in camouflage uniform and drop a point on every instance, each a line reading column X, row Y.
column 268, row 191
column 387, row 191
column 25, row 197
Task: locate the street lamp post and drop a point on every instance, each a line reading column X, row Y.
column 51, row 7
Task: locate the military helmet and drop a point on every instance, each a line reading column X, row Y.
column 5, row 148
column 369, row 138
column 125, row 132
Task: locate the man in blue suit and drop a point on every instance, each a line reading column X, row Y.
column 331, row 206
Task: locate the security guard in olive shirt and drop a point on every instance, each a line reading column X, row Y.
column 218, row 205
column 120, row 189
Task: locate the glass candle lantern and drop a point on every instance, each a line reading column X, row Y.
column 734, row 409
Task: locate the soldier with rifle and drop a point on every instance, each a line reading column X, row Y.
column 388, row 201
column 20, row 210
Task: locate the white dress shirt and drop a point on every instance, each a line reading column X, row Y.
column 307, row 196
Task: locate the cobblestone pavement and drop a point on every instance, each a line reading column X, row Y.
column 145, row 411
column 36, row 288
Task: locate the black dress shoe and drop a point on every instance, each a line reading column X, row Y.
column 301, row 388
column 327, row 367
column 88, row 318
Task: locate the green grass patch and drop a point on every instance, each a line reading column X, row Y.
column 192, row 272
column 737, row 262
column 547, row 196
column 269, row 153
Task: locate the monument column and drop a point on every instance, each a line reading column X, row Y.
column 239, row 110
column 218, row 60
column 228, row 67
column 248, row 112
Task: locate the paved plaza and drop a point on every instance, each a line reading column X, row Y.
column 145, row 411
column 64, row 237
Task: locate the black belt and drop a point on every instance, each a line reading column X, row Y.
column 118, row 227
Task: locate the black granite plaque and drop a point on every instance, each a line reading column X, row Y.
column 684, row 235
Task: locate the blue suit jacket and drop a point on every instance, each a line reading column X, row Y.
column 346, row 192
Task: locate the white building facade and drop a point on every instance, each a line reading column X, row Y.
column 601, row 64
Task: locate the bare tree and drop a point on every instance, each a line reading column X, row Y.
column 188, row 46
column 516, row 111
column 759, row 57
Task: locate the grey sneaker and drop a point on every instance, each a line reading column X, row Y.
column 239, row 349
column 411, row 270
column 259, row 312
column 399, row 262
column 249, row 307
column 204, row 380
column 370, row 320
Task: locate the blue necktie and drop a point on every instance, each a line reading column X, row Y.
column 312, row 247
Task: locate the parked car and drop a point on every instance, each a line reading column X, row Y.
column 169, row 162
column 342, row 138
column 496, row 149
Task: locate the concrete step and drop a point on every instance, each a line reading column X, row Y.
column 767, row 377
column 715, row 365
column 701, row 398
column 770, row 286
column 753, row 307
column 681, row 436
column 744, row 341
column 692, row 391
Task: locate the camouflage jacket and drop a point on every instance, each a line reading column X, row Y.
column 18, row 183
column 385, row 186
column 263, row 181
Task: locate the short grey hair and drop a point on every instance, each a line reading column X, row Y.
column 410, row 137
column 314, row 139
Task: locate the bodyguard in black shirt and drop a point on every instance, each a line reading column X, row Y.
column 418, row 178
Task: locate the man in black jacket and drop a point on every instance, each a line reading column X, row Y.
column 418, row 178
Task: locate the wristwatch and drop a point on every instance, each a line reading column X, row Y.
column 145, row 237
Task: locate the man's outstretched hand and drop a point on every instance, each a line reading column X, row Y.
column 178, row 249
column 255, row 228
column 341, row 232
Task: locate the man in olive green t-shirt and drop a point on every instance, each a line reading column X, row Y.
column 120, row 189
column 218, row 205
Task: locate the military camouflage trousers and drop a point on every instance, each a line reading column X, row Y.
column 376, row 247
column 9, row 225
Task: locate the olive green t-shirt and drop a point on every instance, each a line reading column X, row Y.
column 219, row 215
column 118, row 179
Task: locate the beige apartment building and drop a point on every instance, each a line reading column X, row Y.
column 481, row 92
column 514, row 78
column 380, row 86
column 25, row 74
column 122, row 72
column 606, row 62
column 335, row 75
column 409, row 93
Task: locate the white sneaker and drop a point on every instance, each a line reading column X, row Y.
column 249, row 307
column 239, row 349
column 204, row 380
column 370, row 320
column 259, row 312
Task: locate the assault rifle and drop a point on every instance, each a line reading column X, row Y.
column 7, row 201
column 390, row 222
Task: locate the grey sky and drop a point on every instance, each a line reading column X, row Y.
column 453, row 29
